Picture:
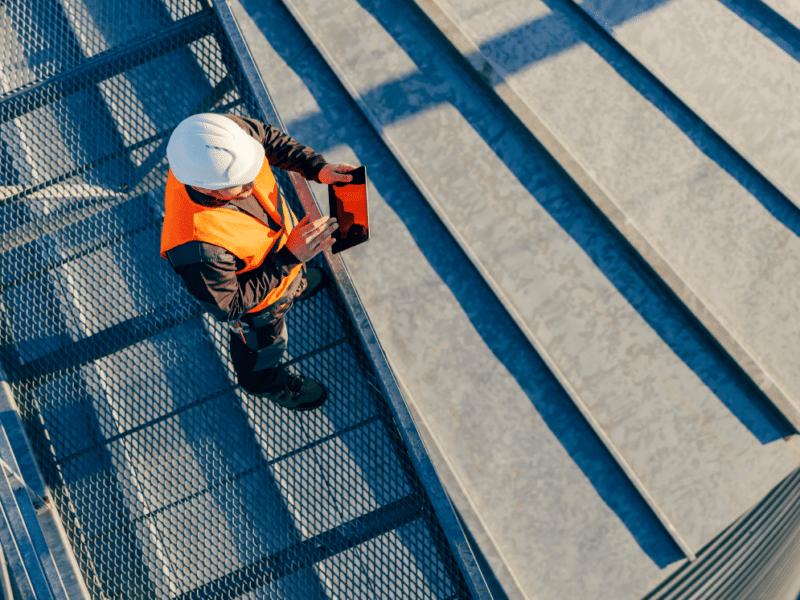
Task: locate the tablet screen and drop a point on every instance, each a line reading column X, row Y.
column 348, row 203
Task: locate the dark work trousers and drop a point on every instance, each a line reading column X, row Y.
column 258, row 341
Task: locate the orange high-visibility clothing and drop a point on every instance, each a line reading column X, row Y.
column 240, row 234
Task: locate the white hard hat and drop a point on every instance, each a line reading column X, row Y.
column 213, row 152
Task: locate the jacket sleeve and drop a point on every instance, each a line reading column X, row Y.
column 209, row 273
column 281, row 150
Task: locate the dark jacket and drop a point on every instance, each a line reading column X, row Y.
column 209, row 271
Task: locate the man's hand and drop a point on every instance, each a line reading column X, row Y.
column 308, row 239
column 336, row 173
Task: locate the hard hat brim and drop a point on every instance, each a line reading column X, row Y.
column 213, row 152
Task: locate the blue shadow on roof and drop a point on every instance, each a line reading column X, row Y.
column 769, row 23
column 569, row 24
column 339, row 122
column 552, row 33
column 569, row 207
column 592, row 22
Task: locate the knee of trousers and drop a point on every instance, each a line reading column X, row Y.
column 248, row 357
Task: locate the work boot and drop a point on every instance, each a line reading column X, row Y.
column 294, row 392
column 313, row 281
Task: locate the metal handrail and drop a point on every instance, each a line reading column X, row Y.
column 21, row 536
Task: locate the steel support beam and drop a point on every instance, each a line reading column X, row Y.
column 308, row 552
column 105, row 65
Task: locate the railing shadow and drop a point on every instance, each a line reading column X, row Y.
column 574, row 213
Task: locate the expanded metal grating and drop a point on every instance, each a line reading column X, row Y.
column 171, row 482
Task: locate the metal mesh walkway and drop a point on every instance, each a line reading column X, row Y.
column 171, row 482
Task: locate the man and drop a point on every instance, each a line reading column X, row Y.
column 237, row 245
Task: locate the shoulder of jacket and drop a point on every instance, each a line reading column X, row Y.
column 253, row 127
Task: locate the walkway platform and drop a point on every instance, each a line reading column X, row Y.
column 170, row 481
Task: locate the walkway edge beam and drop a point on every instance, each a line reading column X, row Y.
column 407, row 428
column 58, row 541
column 431, row 199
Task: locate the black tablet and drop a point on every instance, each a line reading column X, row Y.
column 348, row 203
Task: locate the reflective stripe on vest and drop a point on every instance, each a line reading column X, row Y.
column 244, row 236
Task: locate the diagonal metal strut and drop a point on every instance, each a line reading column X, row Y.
column 105, row 65
column 313, row 550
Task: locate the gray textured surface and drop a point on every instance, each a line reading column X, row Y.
column 520, row 479
column 720, row 240
column 755, row 558
column 496, row 78
column 734, row 77
column 434, row 347
column 656, row 412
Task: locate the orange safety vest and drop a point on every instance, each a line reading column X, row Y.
column 240, row 234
